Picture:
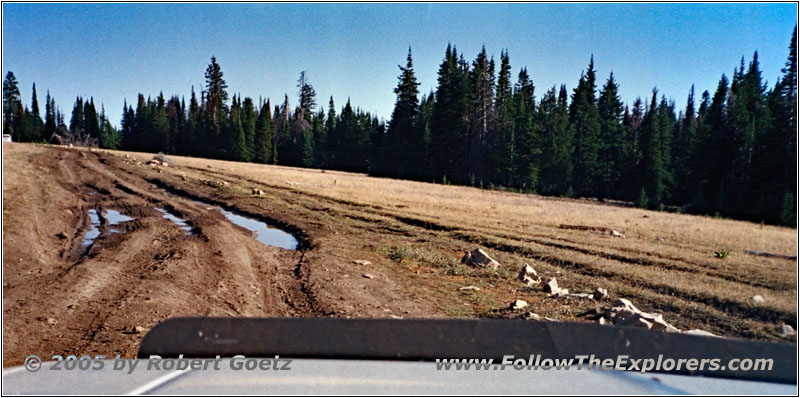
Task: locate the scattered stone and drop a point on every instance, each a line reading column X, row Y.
column 757, row 299
column 257, row 192
column 53, row 321
column 528, row 275
column 659, row 239
column 61, row 235
column 626, row 314
column 616, row 234
column 368, row 276
column 468, row 288
column 361, row 262
column 183, row 178
column 530, row 315
column 479, row 258
column 551, row 287
column 602, row 321
column 698, row 332
column 580, row 295
column 518, row 304
column 787, row 330
column 162, row 159
column 600, row 294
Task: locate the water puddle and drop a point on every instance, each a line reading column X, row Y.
column 263, row 233
column 114, row 217
column 94, row 232
column 181, row 223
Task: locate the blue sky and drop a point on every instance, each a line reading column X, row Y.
column 115, row 51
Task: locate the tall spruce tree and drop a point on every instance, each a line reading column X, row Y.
column 585, row 124
column 556, row 142
column 404, row 140
column 612, row 140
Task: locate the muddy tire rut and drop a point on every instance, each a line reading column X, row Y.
column 64, row 296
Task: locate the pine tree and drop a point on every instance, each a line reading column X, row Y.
column 262, row 149
column 249, row 127
column 333, row 141
column 585, row 124
column 556, row 142
column 307, row 96
column 76, row 124
column 612, row 140
column 216, row 96
column 683, row 148
column 503, row 144
column 653, row 164
column 448, row 130
column 237, row 143
column 12, row 106
column 49, row 118
column 36, row 126
column 404, row 139
column 481, row 116
column 523, row 147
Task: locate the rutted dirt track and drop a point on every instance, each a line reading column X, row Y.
column 63, row 297
column 60, row 297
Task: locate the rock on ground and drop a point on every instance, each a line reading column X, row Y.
column 624, row 313
column 528, row 275
column 551, row 286
column 530, row 315
column 479, row 258
column 518, row 304
column 757, row 299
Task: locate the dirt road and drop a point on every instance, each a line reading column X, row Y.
column 62, row 297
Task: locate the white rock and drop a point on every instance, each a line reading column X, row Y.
column 787, row 330
column 361, row 262
column 368, row 276
column 479, row 258
column 757, row 299
column 532, row 316
column 470, row 287
column 528, row 275
column 518, row 304
column 616, row 234
column 551, row 286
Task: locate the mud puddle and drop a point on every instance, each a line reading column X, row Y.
column 262, row 231
column 112, row 216
column 181, row 223
column 94, row 230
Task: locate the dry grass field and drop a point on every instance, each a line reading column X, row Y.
column 413, row 235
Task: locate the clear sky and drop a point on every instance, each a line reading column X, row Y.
column 113, row 52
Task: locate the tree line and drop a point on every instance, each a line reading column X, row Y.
column 729, row 153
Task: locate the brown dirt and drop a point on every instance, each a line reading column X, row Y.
column 60, row 299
